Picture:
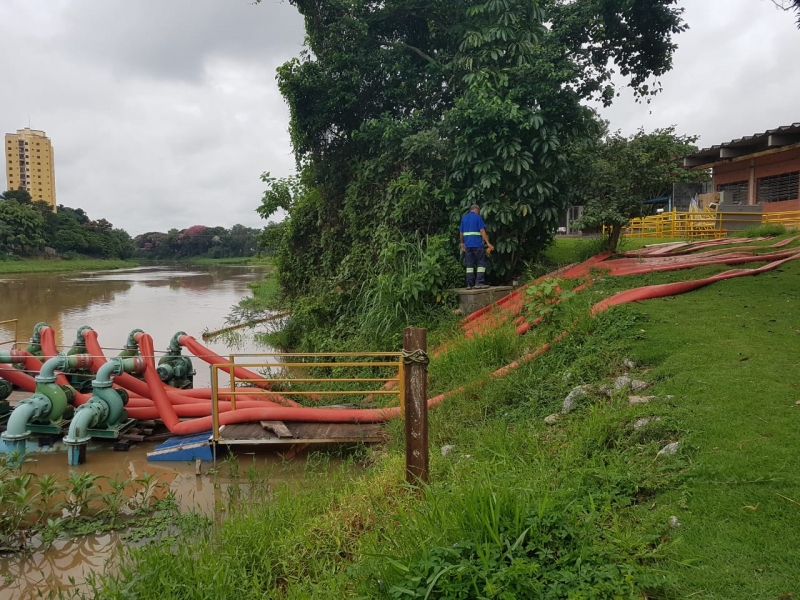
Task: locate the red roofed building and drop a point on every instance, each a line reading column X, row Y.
column 761, row 169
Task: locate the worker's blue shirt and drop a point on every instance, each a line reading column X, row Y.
column 471, row 225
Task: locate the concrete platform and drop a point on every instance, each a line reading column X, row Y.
column 471, row 300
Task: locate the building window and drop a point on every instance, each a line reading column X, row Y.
column 779, row 187
column 739, row 190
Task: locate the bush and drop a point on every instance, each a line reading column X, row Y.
column 770, row 229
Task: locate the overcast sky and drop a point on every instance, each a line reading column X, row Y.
column 164, row 113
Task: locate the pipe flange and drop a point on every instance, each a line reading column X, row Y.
column 77, row 441
column 15, row 437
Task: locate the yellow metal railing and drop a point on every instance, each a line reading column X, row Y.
column 16, row 331
column 789, row 219
column 705, row 224
column 288, row 364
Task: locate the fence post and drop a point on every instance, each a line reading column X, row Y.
column 415, row 375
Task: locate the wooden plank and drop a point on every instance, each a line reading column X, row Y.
column 302, row 433
column 278, row 428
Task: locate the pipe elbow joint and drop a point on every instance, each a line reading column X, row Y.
column 86, row 417
column 37, row 333
column 47, row 372
column 80, row 339
column 175, row 344
column 132, row 343
column 30, row 409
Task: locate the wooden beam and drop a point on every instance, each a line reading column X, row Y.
column 278, row 428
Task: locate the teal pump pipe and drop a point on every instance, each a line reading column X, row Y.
column 104, row 409
column 173, row 368
column 35, row 345
column 49, row 401
column 131, row 345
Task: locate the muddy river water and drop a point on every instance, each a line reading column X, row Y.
column 160, row 301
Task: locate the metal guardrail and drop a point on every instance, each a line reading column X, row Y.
column 705, row 224
column 267, row 363
column 16, row 331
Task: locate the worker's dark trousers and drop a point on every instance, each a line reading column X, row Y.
column 476, row 259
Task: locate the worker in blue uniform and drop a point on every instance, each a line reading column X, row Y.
column 473, row 235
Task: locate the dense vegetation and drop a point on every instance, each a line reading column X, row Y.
column 198, row 241
column 404, row 113
column 30, row 228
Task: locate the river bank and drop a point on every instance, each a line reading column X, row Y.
column 588, row 506
column 58, row 265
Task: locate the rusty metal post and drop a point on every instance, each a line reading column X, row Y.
column 415, row 388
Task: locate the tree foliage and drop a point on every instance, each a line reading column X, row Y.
column 21, row 228
column 28, row 227
column 403, row 113
column 21, row 195
column 620, row 172
column 198, row 241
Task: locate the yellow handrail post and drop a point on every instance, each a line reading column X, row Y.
column 215, row 406
column 401, row 385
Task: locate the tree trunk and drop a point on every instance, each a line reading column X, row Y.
column 613, row 238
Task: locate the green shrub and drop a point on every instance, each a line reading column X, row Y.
column 769, row 229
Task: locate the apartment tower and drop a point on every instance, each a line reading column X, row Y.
column 29, row 164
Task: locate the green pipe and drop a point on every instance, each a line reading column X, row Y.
column 87, row 416
column 11, row 356
column 175, row 344
column 104, row 409
column 131, row 343
column 37, row 406
column 80, row 341
column 102, row 391
column 35, row 345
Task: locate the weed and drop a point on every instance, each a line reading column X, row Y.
column 766, row 230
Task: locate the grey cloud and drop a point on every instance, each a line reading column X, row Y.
column 174, row 39
column 733, row 75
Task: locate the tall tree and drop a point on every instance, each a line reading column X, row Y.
column 619, row 173
column 21, row 195
column 405, row 112
column 21, row 227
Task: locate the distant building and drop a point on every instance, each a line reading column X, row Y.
column 761, row 170
column 29, row 164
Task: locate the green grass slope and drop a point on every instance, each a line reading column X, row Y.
column 583, row 508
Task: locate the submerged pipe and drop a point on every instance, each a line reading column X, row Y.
column 49, row 400
column 104, row 409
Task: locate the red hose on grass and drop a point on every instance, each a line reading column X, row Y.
column 681, row 287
